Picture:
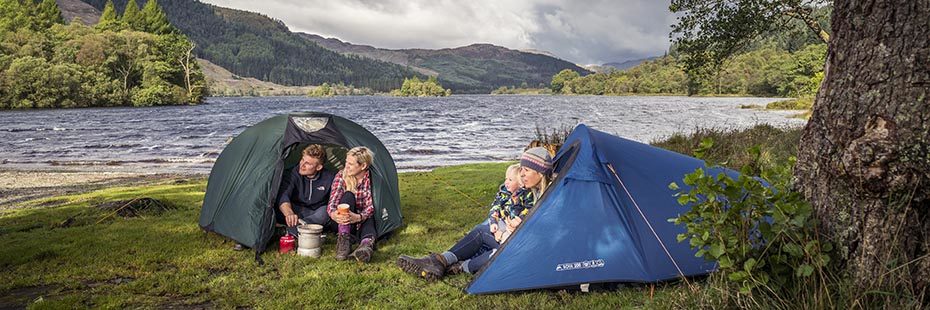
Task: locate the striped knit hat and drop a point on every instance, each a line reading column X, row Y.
column 538, row 159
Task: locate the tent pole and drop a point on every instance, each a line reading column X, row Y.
column 680, row 273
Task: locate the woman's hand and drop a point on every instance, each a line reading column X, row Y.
column 345, row 219
column 493, row 227
column 513, row 223
column 339, row 218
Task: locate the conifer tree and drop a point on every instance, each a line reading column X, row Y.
column 132, row 17
column 47, row 14
column 155, row 20
column 108, row 18
column 11, row 15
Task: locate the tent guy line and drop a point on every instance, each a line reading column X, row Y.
column 664, row 248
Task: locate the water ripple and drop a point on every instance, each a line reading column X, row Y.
column 420, row 133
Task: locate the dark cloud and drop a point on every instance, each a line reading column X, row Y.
column 585, row 32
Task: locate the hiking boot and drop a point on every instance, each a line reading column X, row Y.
column 454, row 269
column 429, row 267
column 363, row 253
column 343, row 246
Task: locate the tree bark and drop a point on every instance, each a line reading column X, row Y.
column 185, row 61
column 864, row 162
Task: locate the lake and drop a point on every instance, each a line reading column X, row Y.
column 420, row 133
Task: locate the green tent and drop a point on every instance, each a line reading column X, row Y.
column 243, row 184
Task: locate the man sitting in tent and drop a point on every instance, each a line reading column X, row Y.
column 305, row 191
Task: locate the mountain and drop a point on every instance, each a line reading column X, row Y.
column 71, row 9
column 253, row 45
column 220, row 81
column 629, row 63
column 541, row 52
column 392, row 56
column 476, row 68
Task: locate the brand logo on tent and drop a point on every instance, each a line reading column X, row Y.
column 588, row 264
column 384, row 214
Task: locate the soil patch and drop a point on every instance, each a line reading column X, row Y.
column 19, row 298
column 135, row 207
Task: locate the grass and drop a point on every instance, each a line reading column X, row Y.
column 802, row 103
column 65, row 252
column 730, row 146
column 73, row 255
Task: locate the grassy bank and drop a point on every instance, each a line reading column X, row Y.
column 68, row 252
column 730, row 146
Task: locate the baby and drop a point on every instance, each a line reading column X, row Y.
column 506, row 205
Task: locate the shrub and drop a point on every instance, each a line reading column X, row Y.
column 759, row 231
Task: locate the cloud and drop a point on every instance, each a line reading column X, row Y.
column 585, row 32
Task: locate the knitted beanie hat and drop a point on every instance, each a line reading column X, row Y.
column 538, row 159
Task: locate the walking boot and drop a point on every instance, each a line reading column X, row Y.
column 454, row 269
column 430, row 267
column 363, row 252
column 343, row 246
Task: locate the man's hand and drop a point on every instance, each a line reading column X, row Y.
column 513, row 223
column 291, row 220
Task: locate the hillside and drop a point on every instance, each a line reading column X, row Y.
column 476, row 68
column 220, row 81
column 253, row 45
column 257, row 46
column 623, row 65
column 619, row 66
column 223, row 83
column 71, row 9
column 785, row 62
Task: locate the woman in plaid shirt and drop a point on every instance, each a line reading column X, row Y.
column 352, row 186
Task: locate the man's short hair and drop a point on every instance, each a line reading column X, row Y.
column 316, row 151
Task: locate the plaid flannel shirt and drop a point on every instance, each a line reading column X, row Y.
column 364, row 202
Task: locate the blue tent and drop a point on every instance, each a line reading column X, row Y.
column 594, row 225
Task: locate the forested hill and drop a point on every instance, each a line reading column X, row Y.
column 785, row 62
column 477, row 68
column 253, row 45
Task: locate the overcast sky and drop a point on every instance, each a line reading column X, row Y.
column 584, row 32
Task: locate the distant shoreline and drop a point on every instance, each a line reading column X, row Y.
column 387, row 95
column 529, row 95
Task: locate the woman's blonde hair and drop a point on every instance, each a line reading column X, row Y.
column 363, row 156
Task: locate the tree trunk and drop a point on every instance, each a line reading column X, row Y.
column 864, row 162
